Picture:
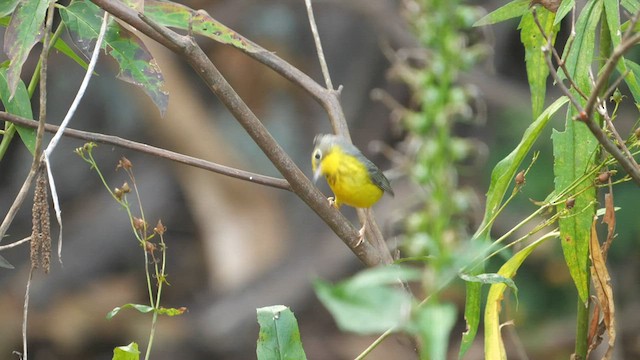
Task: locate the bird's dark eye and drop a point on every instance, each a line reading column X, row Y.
column 317, row 155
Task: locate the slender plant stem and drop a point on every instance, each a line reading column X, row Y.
column 16, row 243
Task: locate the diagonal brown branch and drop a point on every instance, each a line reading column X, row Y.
column 155, row 151
column 187, row 48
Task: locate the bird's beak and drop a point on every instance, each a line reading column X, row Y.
column 317, row 173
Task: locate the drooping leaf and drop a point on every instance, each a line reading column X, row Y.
column 141, row 308
column 128, row 352
column 19, row 105
column 435, row 322
column 533, row 41
column 511, row 10
column 279, row 337
column 493, row 345
column 603, row 289
column 24, row 31
column 370, row 302
column 137, row 65
column 574, row 153
column 175, row 15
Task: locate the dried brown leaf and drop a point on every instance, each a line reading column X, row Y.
column 602, row 286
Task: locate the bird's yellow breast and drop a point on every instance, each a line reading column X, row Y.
column 349, row 180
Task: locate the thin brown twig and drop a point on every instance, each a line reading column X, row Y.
column 155, row 151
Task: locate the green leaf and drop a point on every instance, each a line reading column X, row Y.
column 490, row 278
column 563, row 10
column 24, row 31
column 612, row 13
column 171, row 311
column 129, row 352
column 179, row 16
column 141, row 308
column 501, row 178
column 370, row 302
column 493, row 345
column 435, row 322
column 506, row 169
column 279, row 337
column 574, row 153
column 137, row 65
column 62, row 46
column 632, row 6
column 533, row 41
column 513, row 9
column 19, row 105
column 7, row 7
column 4, row 263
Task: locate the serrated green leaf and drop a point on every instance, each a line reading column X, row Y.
column 493, row 345
column 24, row 31
column 136, row 64
column 141, row 308
column 533, row 41
column 279, row 337
column 7, row 7
column 511, row 10
column 128, row 352
column 19, row 105
column 435, row 322
column 175, row 15
column 370, row 302
column 563, row 10
column 574, row 153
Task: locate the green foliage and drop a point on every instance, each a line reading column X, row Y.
column 137, row 65
column 494, row 347
column 128, row 352
column 279, row 337
column 575, row 151
column 370, row 302
column 24, row 31
column 18, row 104
column 199, row 22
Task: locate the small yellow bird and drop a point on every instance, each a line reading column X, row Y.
column 354, row 179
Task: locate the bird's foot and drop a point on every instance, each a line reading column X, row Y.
column 332, row 202
column 361, row 235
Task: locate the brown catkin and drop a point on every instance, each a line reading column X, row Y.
column 41, row 227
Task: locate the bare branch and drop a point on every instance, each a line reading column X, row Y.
column 188, row 49
column 155, row 151
column 316, row 38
